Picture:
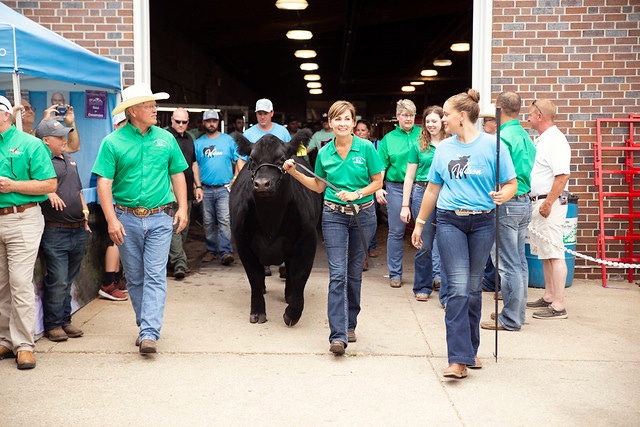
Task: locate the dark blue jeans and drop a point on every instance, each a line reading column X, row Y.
column 464, row 243
column 63, row 251
column 345, row 253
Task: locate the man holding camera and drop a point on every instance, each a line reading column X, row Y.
column 61, row 110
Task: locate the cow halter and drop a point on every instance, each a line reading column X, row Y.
column 254, row 172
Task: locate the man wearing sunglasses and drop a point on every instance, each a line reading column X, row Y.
column 178, row 128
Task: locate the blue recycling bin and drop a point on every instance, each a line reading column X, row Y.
column 569, row 237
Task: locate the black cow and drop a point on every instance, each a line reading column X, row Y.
column 273, row 220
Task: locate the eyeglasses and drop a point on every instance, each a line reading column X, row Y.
column 148, row 107
column 181, row 122
column 537, row 108
column 407, row 116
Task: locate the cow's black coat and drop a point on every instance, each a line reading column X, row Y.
column 273, row 220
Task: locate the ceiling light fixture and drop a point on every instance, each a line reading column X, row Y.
column 314, row 85
column 292, row 4
column 460, row 47
column 442, row 62
column 312, row 77
column 429, row 73
column 299, row 34
column 308, row 66
column 305, row 53
column 417, row 83
column 408, row 88
column 315, row 91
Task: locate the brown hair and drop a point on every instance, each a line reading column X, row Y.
column 467, row 102
column 339, row 107
column 425, row 136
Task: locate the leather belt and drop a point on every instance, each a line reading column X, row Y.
column 346, row 209
column 141, row 212
column 421, row 183
column 64, row 224
column 524, row 196
column 213, row 186
column 534, row 198
column 17, row 209
column 466, row 212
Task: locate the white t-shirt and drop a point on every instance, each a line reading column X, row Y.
column 553, row 157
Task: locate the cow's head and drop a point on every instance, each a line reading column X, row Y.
column 266, row 158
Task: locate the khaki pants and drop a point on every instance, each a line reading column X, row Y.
column 20, row 235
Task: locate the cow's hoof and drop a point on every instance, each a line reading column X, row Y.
column 257, row 318
column 289, row 321
column 282, row 271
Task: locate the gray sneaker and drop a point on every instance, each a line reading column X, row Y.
column 395, row 283
column 540, row 303
column 550, row 313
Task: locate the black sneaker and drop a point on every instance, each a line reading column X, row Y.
column 179, row 273
column 550, row 313
column 540, row 303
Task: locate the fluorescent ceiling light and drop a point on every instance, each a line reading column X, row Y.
column 428, row 73
column 292, row 4
column 315, row 91
column 408, row 88
column 417, row 83
column 460, row 47
column 305, row 53
column 308, row 66
column 299, row 34
column 442, row 62
column 314, row 85
column 312, row 77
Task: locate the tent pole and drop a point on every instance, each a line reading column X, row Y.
column 17, row 98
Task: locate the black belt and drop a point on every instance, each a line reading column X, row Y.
column 141, row 212
column 534, row 198
column 346, row 209
column 17, row 209
column 214, row 186
column 524, row 196
column 64, row 224
column 421, row 183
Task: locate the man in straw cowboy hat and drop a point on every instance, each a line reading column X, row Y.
column 137, row 166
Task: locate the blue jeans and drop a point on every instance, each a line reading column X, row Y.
column 489, row 276
column 464, row 243
column 215, row 212
column 63, row 251
column 395, row 238
column 438, row 273
column 514, row 218
column 345, row 253
column 435, row 259
column 144, row 259
column 423, row 264
column 373, row 243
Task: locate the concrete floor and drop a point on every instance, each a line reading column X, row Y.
column 215, row 368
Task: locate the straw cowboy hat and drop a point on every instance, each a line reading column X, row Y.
column 137, row 94
column 489, row 113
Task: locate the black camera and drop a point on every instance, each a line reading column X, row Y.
column 62, row 110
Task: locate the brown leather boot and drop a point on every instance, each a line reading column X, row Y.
column 26, row 360
column 72, row 331
column 6, row 353
column 56, row 334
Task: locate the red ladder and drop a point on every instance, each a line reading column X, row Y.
column 617, row 177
